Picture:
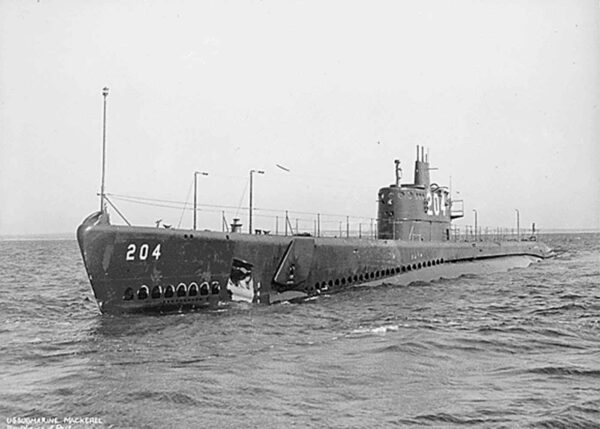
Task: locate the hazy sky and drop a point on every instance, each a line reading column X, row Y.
column 504, row 93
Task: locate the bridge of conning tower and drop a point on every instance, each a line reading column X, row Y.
column 416, row 211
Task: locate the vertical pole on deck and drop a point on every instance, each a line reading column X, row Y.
column 195, row 197
column 196, row 173
column 318, row 224
column 102, row 207
column 250, row 208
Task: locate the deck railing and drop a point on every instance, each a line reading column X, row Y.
column 469, row 234
column 289, row 223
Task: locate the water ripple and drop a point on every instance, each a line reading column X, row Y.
column 512, row 349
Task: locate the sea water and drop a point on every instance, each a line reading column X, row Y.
column 511, row 349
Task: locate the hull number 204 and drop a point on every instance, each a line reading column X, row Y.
column 142, row 253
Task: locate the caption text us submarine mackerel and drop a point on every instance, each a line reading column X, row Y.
column 134, row 268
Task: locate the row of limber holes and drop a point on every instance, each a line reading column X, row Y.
column 204, row 289
column 169, row 292
column 376, row 274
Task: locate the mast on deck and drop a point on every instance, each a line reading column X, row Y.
column 102, row 206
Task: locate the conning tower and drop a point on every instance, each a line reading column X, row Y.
column 416, row 211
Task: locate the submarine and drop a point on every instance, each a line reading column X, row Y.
column 137, row 268
column 147, row 269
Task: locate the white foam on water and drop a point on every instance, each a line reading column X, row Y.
column 378, row 330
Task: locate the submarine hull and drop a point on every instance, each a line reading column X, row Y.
column 133, row 269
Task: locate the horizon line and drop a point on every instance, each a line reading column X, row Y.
column 72, row 235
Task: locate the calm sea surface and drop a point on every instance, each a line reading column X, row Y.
column 513, row 349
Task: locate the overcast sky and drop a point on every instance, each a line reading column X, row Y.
column 504, row 94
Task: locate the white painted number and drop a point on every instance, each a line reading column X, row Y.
column 143, row 253
column 156, row 252
column 436, row 203
column 130, row 252
column 443, row 203
column 429, row 204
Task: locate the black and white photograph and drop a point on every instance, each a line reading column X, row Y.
column 312, row 214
